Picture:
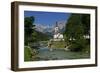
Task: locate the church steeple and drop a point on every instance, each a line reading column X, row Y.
column 57, row 35
column 56, row 28
column 56, row 24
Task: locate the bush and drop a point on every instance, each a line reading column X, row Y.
column 29, row 53
column 78, row 45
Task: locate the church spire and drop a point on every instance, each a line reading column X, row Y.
column 56, row 24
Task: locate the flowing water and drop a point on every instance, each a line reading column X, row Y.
column 60, row 54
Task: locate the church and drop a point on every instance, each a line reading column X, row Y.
column 57, row 34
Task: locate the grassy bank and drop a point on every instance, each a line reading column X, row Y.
column 29, row 53
column 58, row 44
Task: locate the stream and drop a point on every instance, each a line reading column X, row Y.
column 44, row 53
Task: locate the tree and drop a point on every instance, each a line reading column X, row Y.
column 86, row 23
column 74, row 27
column 77, row 26
column 29, row 29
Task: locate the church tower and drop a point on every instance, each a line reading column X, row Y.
column 57, row 35
column 56, row 29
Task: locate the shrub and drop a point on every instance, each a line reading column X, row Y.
column 78, row 45
column 29, row 53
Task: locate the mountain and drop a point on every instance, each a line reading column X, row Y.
column 49, row 30
column 40, row 27
column 61, row 24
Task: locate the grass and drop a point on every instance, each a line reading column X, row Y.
column 27, row 54
column 58, row 44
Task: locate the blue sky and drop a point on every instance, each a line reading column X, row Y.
column 47, row 18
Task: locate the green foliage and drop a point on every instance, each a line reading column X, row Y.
column 29, row 28
column 42, row 36
column 31, row 35
column 86, row 23
column 34, row 36
column 78, row 45
column 29, row 53
column 58, row 44
column 28, row 21
column 78, row 25
column 74, row 27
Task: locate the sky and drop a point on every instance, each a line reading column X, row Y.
column 47, row 18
